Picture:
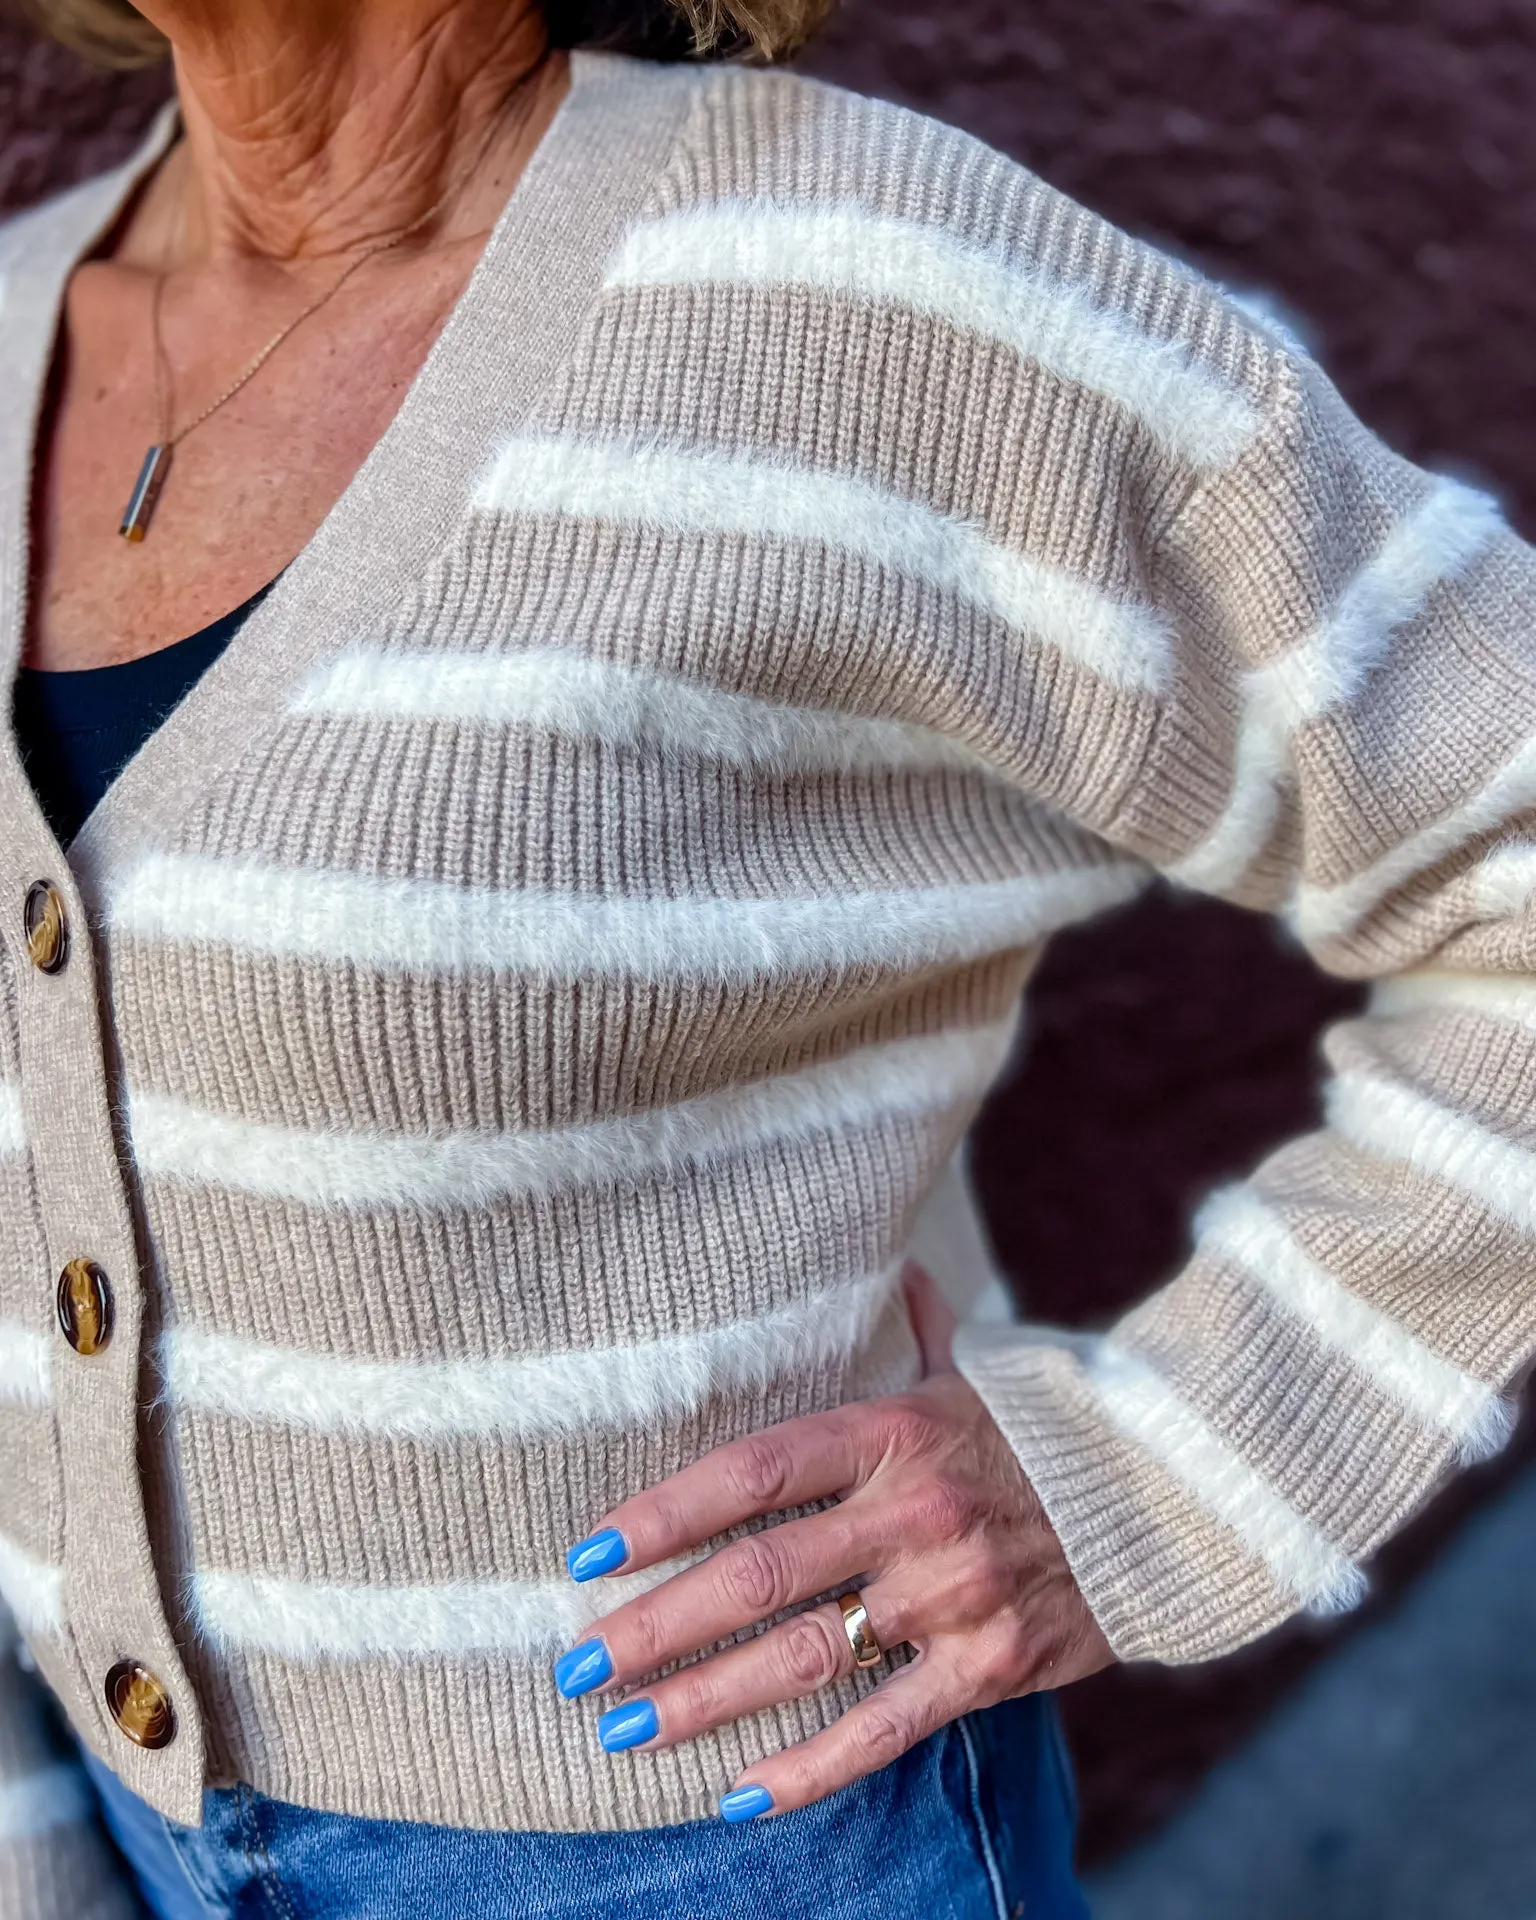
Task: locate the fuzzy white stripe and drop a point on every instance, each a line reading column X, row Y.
column 1399, row 1124
column 1149, row 1413
column 558, row 691
column 1507, row 998
column 525, row 1397
column 522, row 1620
column 45, row 1801
column 689, row 491
column 875, row 1085
column 1504, row 882
column 1322, row 913
column 1432, row 546
column 1239, row 1227
column 13, row 1125
column 26, row 1366
column 33, row 1590
column 425, row 924
column 849, row 253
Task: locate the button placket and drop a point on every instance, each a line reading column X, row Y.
column 116, row 1639
column 110, row 1601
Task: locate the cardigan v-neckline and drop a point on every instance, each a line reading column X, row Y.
column 505, row 338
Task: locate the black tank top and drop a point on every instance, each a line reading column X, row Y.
column 78, row 729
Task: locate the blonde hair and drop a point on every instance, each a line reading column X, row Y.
column 114, row 33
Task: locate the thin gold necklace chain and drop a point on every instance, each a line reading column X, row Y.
column 168, row 439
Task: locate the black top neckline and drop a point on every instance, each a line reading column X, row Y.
column 78, row 727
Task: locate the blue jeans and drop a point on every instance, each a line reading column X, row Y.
column 976, row 1824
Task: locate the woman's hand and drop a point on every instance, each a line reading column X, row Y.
column 935, row 1524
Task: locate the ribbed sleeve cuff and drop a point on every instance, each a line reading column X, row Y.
column 1167, row 1578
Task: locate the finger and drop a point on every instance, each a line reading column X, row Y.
column 913, row 1703
column 788, row 1465
column 933, row 1319
column 744, row 1582
column 795, row 1658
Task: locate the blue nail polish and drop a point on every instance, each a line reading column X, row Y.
column 628, row 1726
column 603, row 1553
column 745, row 1803
column 582, row 1669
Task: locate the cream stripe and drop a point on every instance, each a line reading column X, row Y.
column 1330, row 668
column 874, row 1086
column 523, row 1397
column 1431, row 547
column 523, row 1620
column 13, row 1125
column 1148, row 1412
column 426, row 924
column 1402, row 1125
column 1260, row 763
column 1507, row 998
column 846, row 252
column 703, row 492
column 1502, row 885
column 558, row 691
column 26, row 1366
column 44, row 1802
column 1323, row 913
column 1239, row 1227
column 33, row 1590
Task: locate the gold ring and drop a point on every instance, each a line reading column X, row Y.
column 867, row 1651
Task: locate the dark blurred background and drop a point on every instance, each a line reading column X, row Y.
column 1372, row 165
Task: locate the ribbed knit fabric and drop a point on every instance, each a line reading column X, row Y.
column 549, row 961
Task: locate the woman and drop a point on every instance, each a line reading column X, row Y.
column 587, row 617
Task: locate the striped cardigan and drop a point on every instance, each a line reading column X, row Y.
column 522, row 1004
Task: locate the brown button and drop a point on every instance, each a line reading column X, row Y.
column 46, row 927
column 84, row 1303
column 140, row 1705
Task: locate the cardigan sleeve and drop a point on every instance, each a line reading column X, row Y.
column 1348, row 740
column 56, row 1862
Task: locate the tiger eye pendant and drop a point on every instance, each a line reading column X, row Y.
column 146, row 492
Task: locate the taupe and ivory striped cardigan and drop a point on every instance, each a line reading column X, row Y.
column 517, row 1009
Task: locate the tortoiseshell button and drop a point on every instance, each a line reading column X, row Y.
column 140, row 1705
column 46, row 927
column 84, row 1303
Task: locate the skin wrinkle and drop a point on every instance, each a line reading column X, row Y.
column 311, row 139
column 310, row 134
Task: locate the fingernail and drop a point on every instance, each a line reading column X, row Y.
column 582, row 1669
column 603, row 1553
column 627, row 1726
column 745, row 1803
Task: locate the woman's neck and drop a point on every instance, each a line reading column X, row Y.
column 318, row 127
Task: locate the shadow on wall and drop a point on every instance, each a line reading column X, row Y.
column 1372, row 163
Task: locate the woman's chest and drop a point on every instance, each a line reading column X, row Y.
column 243, row 490
column 527, row 890
column 520, row 950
